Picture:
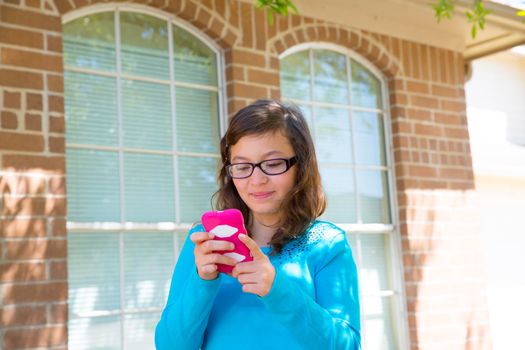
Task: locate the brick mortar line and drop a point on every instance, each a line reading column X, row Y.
column 248, row 66
column 41, row 8
column 26, row 7
column 442, row 239
column 445, row 207
column 24, row 132
column 34, row 327
column 23, row 69
column 31, row 49
column 45, row 195
column 430, row 284
column 441, row 221
column 36, row 304
column 29, row 175
column 36, row 153
column 432, row 152
column 35, row 283
column 32, row 217
column 411, row 93
column 37, row 30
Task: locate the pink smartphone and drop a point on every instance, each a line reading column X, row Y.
column 226, row 225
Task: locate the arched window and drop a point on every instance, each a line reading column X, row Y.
column 143, row 107
column 343, row 99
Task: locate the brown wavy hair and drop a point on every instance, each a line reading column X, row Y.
column 306, row 200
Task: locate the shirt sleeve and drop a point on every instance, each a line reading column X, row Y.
column 185, row 317
column 332, row 321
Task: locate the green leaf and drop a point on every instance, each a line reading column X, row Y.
column 443, row 9
column 292, row 6
column 473, row 31
column 276, row 7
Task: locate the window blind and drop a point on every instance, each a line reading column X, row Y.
column 142, row 134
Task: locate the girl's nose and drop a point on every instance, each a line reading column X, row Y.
column 258, row 176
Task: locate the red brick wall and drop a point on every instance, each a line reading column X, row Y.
column 435, row 190
column 33, row 242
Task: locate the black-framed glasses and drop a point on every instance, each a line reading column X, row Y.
column 275, row 166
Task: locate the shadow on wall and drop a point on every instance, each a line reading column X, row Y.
column 444, row 271
column 34, row 251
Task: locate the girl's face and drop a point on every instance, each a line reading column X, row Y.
column 263, row 193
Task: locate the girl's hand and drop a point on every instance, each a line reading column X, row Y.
column 256, row 276
column 206, row 259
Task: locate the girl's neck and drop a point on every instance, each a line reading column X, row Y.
column 262, row 232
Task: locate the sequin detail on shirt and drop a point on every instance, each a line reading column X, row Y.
column 294, row 250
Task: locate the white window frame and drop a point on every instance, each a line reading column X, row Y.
column 120, row 228
column 391, row 231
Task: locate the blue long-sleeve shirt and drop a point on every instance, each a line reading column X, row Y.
column 313, row 302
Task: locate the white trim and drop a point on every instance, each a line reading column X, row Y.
column 319, row 45
column 312, row 109
column 91, row 314
column 359, row 261
column 140, row 150
column 357, row 199
column 366, row 228
column 147, row 10
column 398, row 273
column 222, row 98
column 173, row 104
column 125, row 226
column 380, row 293
column 354, row 166
column 142, row 78
column 122, row 198
column 336, row 105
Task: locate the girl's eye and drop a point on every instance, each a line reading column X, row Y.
column 274, row 164
column 242, row 167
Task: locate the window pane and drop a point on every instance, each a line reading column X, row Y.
column 366, row 89
column 180, row 239
column 197, row 184
column 144, row 48
column 333, row 135
column 148, row 264
column 92, row 186
column 307, row 114
column 373, row 195
column 94, row 333
column 147, row 120
column 378, row 333
column 148, row 187
column 197, row 120
column 89, row 42
column 296, row 77
column 194, row 61
column 374, row 268
column 338, row 185
column 139, row 331
column 370, row 138
column 93, row 270
column 91, row 109
column 331, row 81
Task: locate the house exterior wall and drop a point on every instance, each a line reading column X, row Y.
column 497, row 127
column 439, row 232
